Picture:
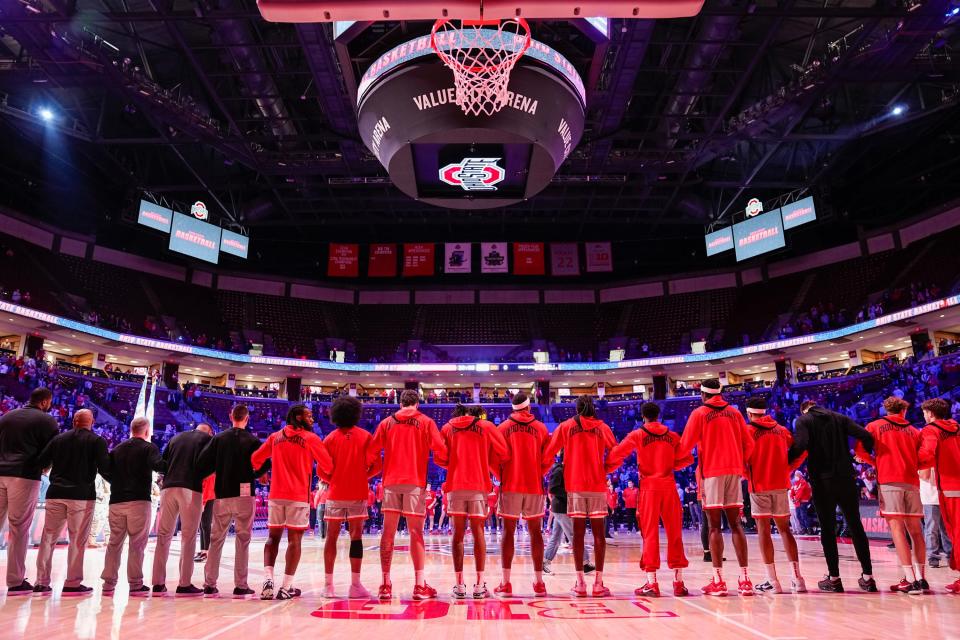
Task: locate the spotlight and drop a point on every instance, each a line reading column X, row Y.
column 898, row 110
column 45, row 114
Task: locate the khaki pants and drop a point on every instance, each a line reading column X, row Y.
column 18, row 501
column 240, row 511
column 188, row 505
column 127, row 519
column 77, row 515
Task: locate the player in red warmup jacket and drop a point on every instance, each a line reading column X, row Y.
column 769, row 476
column 348, row 492
column 292, row 451
column 724, row 445
column 631, row 497
column 472, row 444
column 659, row 453
column 521, row 489
column 406, row 439
column 940, row 453
column 585, row 439
column 897, row 447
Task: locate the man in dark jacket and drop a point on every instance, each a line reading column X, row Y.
column 75, row 458
column 825, row 436
column 562, row 524
column 132, row 463
column 228, row 455
column 24, row 433
column 181, row 496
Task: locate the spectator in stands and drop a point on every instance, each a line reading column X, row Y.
column 24, row 433
column 800, row 493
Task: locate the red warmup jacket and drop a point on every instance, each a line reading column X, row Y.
column 406, row 439
column 431, row 500
column 630, row 497
column 659, row 453
column 719, row 433
column 584, row 442
column 352, row 468
column 800, row 492
column 371, row 498
column 293, row 452
column 208, row 492
column 612, row 498
column 769, row 468
column 471, row 445
column 527, row 438
column 940, row 448
column 897, row 446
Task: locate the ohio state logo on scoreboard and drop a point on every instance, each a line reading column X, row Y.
column 754, row 207
column 473, row 174
column 199, row 210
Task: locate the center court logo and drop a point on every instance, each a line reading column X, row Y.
column 473, row 174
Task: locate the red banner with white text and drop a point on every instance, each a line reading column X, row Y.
column 418, row 259
column 528, row 258
column 344, row 261
column 383, row 261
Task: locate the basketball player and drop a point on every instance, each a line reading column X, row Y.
column 897, row 445
column 349, row 449
column 724, row 446
column 406, row 439
column 228, row 456
column 521, row 489
column 769, row 476
column 24, row 433
column 631, row 495
column 74, row 458
column 292, row 451
column 658, row 454
column 430, row 508
column 182, row 496
column 585, row 440
column 940, row 449
column 131, row 468
column 472, row 445
column 825, row 435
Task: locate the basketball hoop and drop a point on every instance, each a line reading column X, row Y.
column 481, row 54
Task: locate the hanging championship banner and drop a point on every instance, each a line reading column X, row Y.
column 528, row 258
column 493, row 257
column 383, row 261
column 564, row 259
column 344, row 261
column 418, row 259
column 599, row 257
column 457, row 257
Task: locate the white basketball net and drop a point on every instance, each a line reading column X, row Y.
column 481, row 53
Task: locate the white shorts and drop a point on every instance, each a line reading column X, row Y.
column 722, row 492
column 528, row 506
column 770, row 504
column 288, row 514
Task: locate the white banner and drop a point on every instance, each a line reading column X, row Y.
column 599, row 257
column 457, row 257
column 564, row 259
column 493, row 257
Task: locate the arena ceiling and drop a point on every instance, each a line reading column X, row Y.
column 856, row 101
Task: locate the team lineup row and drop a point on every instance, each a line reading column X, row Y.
column 519, row 452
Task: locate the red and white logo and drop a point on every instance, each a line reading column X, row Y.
column 473, row 174
column 754, row 207
column 199, row 210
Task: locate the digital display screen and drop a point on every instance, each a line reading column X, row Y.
column 234, row 243
column 154, row 216
column 194, row 238
column 758, row 235
column 471, row 170
column 719, row 241
column 798, row 213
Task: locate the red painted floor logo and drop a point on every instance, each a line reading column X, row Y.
column 473, row 174
column 506, row 609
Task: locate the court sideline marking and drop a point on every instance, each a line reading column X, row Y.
column 245, row 619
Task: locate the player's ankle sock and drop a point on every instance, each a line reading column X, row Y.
column 796, row 568
column 506, row 576
column 920, row 570
column 355, row 579
column 479, row 577
column 866, row 576
column 908, row 573
column 328, row 580
column 386, row 578
column 678, row 575
column 717, row 574
column 838, row 577
column 771, row 572
column 418, row 578
column 269, row 572
column 651, row 577
column 459, row 575
column 287, row 581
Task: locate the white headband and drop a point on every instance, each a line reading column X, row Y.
column 522, row 405
column 709, row 389
column 753, row 410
